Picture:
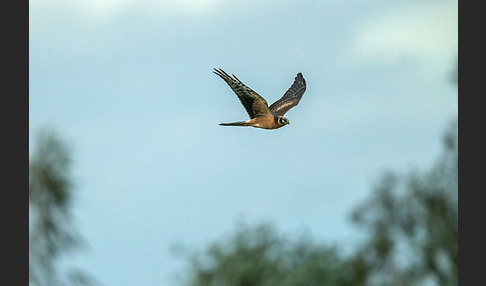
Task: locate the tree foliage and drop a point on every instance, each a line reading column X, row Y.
column 258, row 255
column 51, row 232
column 411, row 224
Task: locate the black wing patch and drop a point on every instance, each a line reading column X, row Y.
column 291, row 97
column 254, row 104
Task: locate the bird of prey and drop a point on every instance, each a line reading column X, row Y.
column 262, row 116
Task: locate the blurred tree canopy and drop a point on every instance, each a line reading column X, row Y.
column 51, row 232
column 411, row 224
column 258, row 255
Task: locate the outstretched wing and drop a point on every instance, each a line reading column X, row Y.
column 255, row 105
column 291, row 98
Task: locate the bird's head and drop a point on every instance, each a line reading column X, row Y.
column 283, row 121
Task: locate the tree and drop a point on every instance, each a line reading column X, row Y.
column 51, row 232
column 260, row 256
column 411, row 223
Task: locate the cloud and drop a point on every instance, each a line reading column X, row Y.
column 425, row 32
column 106, row 10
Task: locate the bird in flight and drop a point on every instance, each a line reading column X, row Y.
column 262, row 116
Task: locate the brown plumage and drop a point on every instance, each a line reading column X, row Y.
column 261, row 115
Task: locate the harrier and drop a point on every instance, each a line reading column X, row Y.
column 262, row 116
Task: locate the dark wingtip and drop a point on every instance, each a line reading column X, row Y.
column 219, row 72
column 300, row 78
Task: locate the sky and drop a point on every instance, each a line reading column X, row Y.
column 129, row 86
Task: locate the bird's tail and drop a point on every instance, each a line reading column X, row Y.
column 239, row 123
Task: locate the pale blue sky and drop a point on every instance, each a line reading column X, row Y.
column 129, row 85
